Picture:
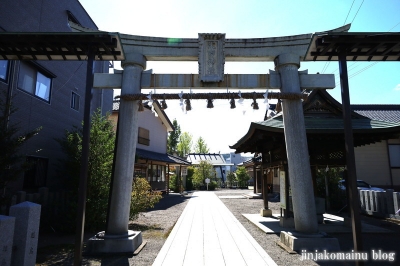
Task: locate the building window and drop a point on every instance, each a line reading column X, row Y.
column 144, row 136
column 34, row 82
column 156, row 173
column 276, row 172
column 35, row 175
column 3, row 70
column 394, row 155
column 75, row 101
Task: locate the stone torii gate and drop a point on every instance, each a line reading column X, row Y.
column 211, row 51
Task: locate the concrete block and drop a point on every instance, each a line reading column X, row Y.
column 112, row 245
column 366, row 200
column 266, row 212
column 362, row 199
column 27, row 219
column 371, row 201
column 309, row 242
column 7, row 224
column 396, row 201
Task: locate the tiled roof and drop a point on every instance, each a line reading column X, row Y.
column 316, row 123
column 383, row 112
column 160, row 157
column 213, row 158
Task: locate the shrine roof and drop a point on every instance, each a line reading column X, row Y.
column 323, row 117
column 215, row 159
column 384, row 112
column 359, row 46
column 60, row 46
column 161, row 157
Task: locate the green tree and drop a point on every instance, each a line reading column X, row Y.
column 142, row 197
column 11, row 140
column 337, row 197
column 101, row 152
column 231, row 177
column 201, row 172
column 185, row 144
column 242, row 176
column 189, row 178
column 201, row 146
column 173, row 138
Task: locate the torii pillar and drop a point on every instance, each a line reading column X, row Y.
column 117, row 238
column 305, row 216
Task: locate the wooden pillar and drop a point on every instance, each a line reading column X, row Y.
column 255, row 179
column 350, row 160
column 167, row 175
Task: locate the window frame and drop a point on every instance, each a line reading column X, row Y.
column 73, row 101
column 40, row 74
column 143, row 136
column 5, row 79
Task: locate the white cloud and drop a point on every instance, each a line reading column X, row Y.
column 397, row 88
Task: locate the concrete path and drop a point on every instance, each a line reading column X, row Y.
column 207, row 233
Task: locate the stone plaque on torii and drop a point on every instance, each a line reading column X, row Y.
column 212, row 51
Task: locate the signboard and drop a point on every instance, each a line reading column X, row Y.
column 282, row 183
column 184, row 170
column 207, row 182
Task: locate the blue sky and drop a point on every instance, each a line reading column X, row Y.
column 370, row 82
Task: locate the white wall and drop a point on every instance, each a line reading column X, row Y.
column 157, row 131
column 372, row 164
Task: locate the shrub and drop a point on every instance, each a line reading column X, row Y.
column 12, row 163
column 337, row 197
column 101, row 152
column 212, row 185
column 174, row 184
column 242, row 176
column 203, row 171
column 189, row 178
column 142, row 197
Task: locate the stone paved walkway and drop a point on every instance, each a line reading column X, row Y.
column 207, row 233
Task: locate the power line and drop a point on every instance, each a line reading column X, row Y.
column 394, row 27
column 357, row 12
column 327, row 63
column 349, row 12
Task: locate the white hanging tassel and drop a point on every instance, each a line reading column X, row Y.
column 240, row 98
column 240, row 102
column 327, row 169
column 150, row 103
column 181, row 101
column 265, row 97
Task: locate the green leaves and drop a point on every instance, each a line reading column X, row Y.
column 203, row 171
column 173, row 138
column 101, row 153
column 142, row 197
column 11, row 140
column 201, row 146
column 185, row 144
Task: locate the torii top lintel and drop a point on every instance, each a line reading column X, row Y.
column 234, row 50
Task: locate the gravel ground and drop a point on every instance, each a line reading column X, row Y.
column 156, row 224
